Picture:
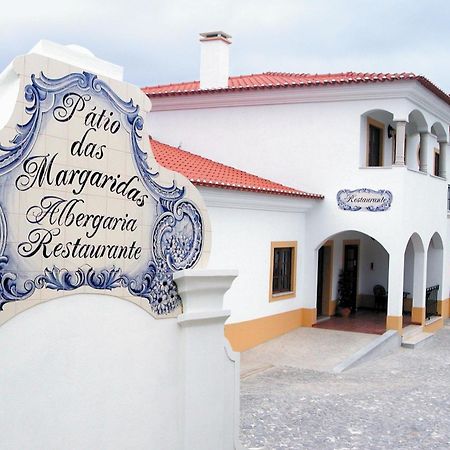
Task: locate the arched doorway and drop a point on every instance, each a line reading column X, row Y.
column 433, row 294
column 414, row 281
column 351, row 265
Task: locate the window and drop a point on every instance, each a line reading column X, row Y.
column 375, row 134
column 436, row 162
column 283, row 270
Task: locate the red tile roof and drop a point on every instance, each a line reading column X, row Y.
column 205, row 172
column 271, row 80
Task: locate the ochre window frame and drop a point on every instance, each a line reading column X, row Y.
column 293, row 292
column 380, row 126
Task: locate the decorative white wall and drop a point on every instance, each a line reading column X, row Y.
column 89, row 372
column 93, row 371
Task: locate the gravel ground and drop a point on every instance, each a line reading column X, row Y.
column 401, row 401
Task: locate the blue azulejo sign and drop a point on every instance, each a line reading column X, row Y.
column 364, row 199
column 82, row 201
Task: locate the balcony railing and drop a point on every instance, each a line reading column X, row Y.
column 431, row 294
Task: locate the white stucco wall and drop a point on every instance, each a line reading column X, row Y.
column 85, row 372
column 243, row 228
column 314, row 139
column 90, row 371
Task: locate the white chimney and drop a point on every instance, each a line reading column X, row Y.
column 214, row 59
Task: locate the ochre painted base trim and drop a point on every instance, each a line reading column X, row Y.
column 443, row 308
column 434, row 326
column 418, row 315
column 249, row 334
column 394, row 323
column 245, row 335
column 309, row 316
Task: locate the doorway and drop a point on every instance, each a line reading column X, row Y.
column 359, row 262
column 324, row 280
column 351, row 252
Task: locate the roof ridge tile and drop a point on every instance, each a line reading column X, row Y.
column 267, row 80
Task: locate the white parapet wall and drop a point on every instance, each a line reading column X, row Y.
column 210, row 367
column 93, row 371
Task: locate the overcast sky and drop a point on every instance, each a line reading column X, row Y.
column 157, row 41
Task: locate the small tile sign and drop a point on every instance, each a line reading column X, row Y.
column 83, row 203
column 364, row 199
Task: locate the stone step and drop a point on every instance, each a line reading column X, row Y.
column 411, row 330
column 416, row 339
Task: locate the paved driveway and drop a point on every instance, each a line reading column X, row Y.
column 400, row 401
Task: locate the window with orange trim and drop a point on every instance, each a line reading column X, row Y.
column 283, row 270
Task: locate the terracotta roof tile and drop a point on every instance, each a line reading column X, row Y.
column 270, row 80
column 205, row 172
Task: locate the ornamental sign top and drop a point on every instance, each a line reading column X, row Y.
column 364, row 199
column 83, row 203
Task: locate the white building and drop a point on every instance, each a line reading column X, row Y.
column 387, row 133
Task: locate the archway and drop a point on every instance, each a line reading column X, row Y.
column 376, row 142
column 414, row 281
column 416, row 130
column 433, row 294
column 351, row 264
column 440, row 150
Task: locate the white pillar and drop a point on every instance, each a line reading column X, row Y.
column 208, row 384
column 425, row 149
column 400, row 143
column 395, row 289
column 419, row 286
column 443, row 159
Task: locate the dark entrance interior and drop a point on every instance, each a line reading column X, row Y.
column 351, row 269
column 361, row 263
column 324, row 281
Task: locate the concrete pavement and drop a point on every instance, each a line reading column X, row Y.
column 400, row 401
column 305, row 348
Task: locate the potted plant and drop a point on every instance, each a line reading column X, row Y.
column 344, row 307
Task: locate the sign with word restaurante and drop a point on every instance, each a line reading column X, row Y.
column 364, row 199
column 83, row 203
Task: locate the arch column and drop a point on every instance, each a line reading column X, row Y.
column 400, row 143
column 425, row 146
column 394, row 319
column 419, row 286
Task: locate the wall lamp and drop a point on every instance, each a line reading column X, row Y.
column 390, row 132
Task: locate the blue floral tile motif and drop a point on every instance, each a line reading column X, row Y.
column 177, row 231
column 364, row 199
